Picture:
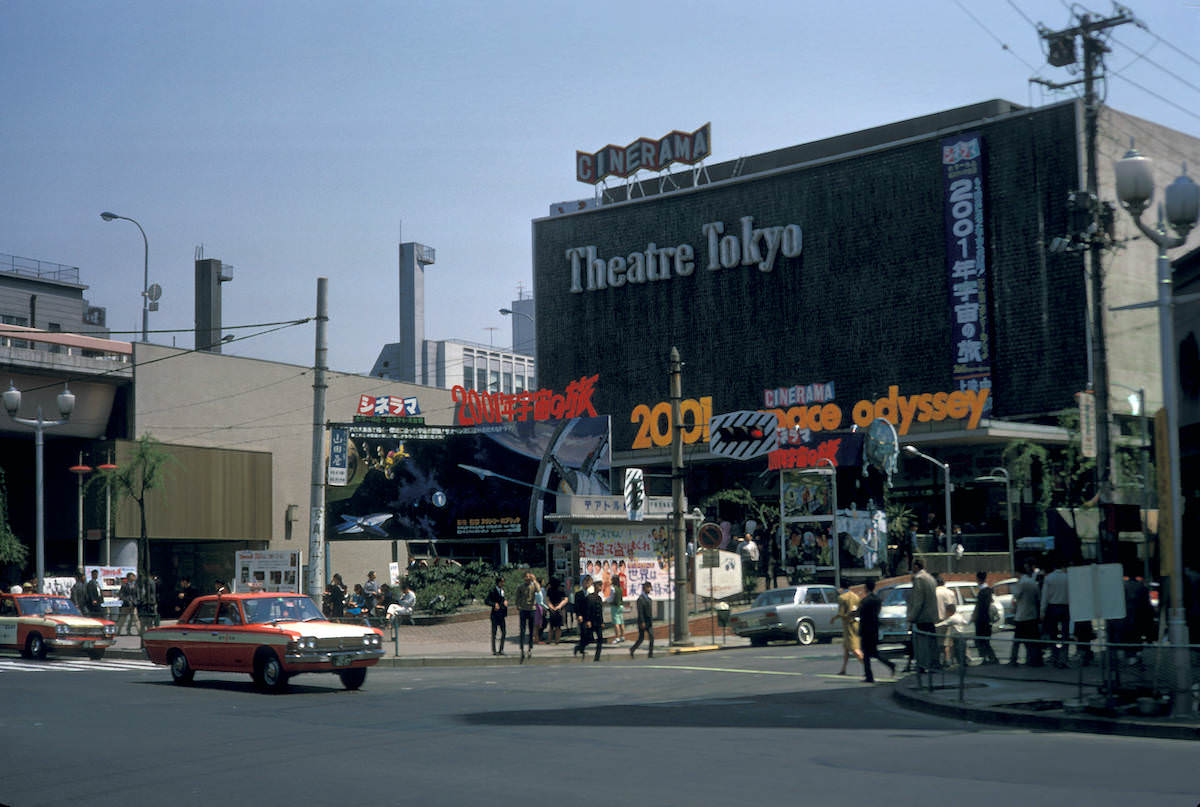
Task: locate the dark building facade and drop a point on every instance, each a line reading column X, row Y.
column 864, row 299
column 905, row 271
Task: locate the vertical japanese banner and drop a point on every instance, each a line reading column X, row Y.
column 966, row 262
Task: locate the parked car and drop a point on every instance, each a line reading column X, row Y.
column 269, row 636
column 893, row 616
column 802, row 613
column 1004, row 595
column 36, row 623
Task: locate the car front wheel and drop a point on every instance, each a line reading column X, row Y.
column 806, row 634
column 271, row 675
column 35, row 646
column 354, row 677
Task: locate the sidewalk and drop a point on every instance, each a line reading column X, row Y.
column 1051, row 702
column 468, row 643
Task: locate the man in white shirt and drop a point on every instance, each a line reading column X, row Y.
column 1056, row 613
column 947, row 604
column 1025, row 618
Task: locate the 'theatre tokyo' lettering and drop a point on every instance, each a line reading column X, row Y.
column 745, row 245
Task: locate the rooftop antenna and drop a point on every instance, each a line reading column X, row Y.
column 491, row 329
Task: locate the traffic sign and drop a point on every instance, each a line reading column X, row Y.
column 709, row 536
column 743, row 435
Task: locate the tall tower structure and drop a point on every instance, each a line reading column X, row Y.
column 414, row 258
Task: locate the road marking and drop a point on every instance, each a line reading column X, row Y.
column 713, row 669
column 7, row 665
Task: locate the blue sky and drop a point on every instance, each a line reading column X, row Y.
column 293, row 140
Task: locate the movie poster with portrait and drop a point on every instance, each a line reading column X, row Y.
column 805, row 493
column 632, row 555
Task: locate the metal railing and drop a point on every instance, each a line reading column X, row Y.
column 1117, row 677
column 31, row 267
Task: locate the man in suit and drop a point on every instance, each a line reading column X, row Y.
column 868, row 629
column 923, row 616
column 645, row 620
column 499, row 605
column 581, row 614
column 95, row 595
column 79, row 592
column 595, row 613
column 983, row 620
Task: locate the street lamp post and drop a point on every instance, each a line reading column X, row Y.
column 1135, row 188
column 945, row 466
column 80, row 471
column 145, row 272
column 1001, row 475
column 66, row 405
column 108, row 467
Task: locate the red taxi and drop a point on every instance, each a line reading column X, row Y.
column 35, row 623
column 270, row 636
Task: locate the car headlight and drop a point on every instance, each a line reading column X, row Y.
column 308, row 642
column 371, row 640
column 62, row 630
column 110, row 630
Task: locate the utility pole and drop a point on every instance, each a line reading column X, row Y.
column 677, row 533
column 1061, row 53
column 316, row 502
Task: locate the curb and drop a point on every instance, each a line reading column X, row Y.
column 1022, row 719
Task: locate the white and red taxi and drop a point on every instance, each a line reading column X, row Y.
column 270, row 636
column 35, row 623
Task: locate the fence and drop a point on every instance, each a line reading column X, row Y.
column 1112, row 676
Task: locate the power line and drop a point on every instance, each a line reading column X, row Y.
column 1162, row 98
column 1003, row 45
column 1142, row 56
column 106, row 334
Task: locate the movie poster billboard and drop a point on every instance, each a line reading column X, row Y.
column 413, row 482
column 634, row 554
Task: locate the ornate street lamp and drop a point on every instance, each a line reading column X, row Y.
column 1135, row 189
column 66, row 405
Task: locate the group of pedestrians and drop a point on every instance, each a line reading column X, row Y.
column 539, row 607
column 939, row 628
column 860, row 629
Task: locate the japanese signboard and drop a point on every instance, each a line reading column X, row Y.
column 966, row 255
column 634, row 555
column 266, row 570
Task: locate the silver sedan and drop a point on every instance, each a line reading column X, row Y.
column 801, row 613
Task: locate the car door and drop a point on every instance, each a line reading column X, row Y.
column 822, row 608
column 198, row 635
column 231, row 646
column 8, row 624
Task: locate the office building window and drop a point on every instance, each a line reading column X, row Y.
column 468, row 370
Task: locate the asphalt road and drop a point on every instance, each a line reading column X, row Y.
column 756, row 726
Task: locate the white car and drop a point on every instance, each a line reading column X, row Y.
column 893, row 617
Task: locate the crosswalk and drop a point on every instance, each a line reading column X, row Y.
column 75, row 665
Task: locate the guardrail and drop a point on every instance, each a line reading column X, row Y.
column 1116, row 676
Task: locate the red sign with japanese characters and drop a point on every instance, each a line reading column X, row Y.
column 475, row 407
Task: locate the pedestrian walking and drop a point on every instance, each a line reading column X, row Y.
column 617, row 607
column 645, row 621
column 499, row 614
column 846, row 612
column 581, row 613
column 526, row 603
column 868, row 631
column 128, row 615
column 922, row 616
column 595, row 612
column 985, row 608
column 1025, row 619
column 947, row 604
column 1055, row 612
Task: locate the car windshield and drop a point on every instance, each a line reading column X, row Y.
column 280, row 609
column 35, row 606
column 784, row 596
column 896, row 596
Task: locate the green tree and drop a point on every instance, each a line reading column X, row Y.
column 141, row 473
column 12, row 551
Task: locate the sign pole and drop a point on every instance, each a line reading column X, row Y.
column 681, row 572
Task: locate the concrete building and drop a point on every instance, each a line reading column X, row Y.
column 452, row 362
